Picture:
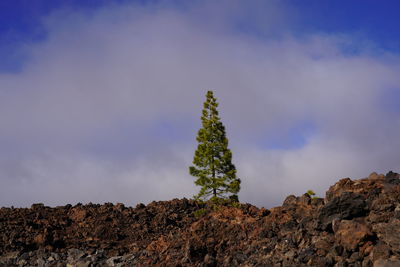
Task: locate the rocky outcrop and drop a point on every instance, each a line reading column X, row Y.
column 356, row 224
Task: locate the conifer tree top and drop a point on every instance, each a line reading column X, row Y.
column 213, row 160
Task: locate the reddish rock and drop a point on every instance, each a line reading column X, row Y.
column 40, row 239
column 78, row 214
column 351, row 234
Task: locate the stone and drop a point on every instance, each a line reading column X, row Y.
column 290, row 254
column 392, row 178
column 75, row 254
column 386, row 263
column 22, row 262
column 380, row 251
column 78, row 214
column 389, row 233
column 209, row 261
column 317, row 201
column 366, row 248
column 113, row 261
column 82, row 263
column 367, row 263
column 55, row 256
column 305, row 255
column 263, row 212
column 40, row 262
column 341, row 263
column 290, row 200
column 37, row 206
column 376, row 176
column 355, row 256
column 305, row 199
column 347, row 206
column 351, row 233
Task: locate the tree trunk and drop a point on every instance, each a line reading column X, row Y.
column 213, row 179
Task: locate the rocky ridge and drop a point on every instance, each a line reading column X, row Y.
column 356, row 224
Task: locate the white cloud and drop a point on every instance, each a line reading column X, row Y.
column 81, row 121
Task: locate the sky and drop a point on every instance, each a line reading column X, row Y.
column 100, row 101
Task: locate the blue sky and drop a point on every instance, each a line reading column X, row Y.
column 21, row 22
column 100, row 101
column 372, row 20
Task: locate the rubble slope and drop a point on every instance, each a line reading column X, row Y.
column 356, row 224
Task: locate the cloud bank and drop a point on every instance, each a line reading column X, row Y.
column 108, row 106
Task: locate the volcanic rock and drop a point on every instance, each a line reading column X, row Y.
column 356, row 224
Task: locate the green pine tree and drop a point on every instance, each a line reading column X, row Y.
column 213, row 160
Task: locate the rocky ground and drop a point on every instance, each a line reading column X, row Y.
column 356, row 224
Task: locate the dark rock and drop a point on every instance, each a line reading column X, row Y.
column 305, row 255
column 264, row 212
column 290, row 200
column 338, row 250
column 367, row 263
column 37, row 206
column 392, row 178
column 347, row 206
column 317, row 201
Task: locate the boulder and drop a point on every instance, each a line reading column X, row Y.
column 351, row 234
column 392, row 178
column 387, row 263
column 346, row 206
column 389, row 233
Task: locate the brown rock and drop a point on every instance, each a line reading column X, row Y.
column 78, row 214
column 323, row 244
column 305, row 199
column 40, row 239
column 351, row 233
column 389, row 233
column 290, row 200
column 366, row 248
column 376, row 176
column 386, row 263
column 380, row 251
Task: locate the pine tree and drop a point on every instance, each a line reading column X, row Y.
column 213, row 160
